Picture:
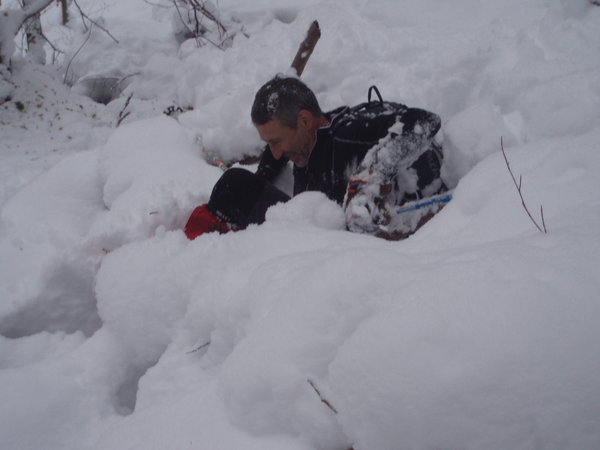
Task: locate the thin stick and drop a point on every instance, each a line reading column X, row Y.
column 54, row 48
column 196, row 7
column 518, row 186
column 84, row 15
column 123, row 114
column 206, row 344
column 205, row 12
column 323, row 399
column 75, row 54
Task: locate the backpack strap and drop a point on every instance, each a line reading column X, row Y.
column 375, row 110
column 371, row 89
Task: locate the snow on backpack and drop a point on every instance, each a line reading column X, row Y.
column 374, row 196
column 383, row 115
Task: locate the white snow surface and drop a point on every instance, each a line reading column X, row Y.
column 479, row 331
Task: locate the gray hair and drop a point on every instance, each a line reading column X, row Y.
column 283, row 98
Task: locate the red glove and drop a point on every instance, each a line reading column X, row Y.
column 203, row 221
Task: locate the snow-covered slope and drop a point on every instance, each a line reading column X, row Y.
column 116, row 332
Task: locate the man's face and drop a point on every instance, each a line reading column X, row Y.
column 295, row 144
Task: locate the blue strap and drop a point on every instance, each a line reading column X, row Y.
column 413, row 206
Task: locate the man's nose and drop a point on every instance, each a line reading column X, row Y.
column 277, row 151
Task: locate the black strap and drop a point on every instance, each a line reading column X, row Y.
column 371, row 89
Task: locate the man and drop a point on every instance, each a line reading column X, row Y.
column 341, row 153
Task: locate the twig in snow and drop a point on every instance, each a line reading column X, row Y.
column 75, row 54
column 206, row 344
column 122, row 113
column 323, row 399
column 211, row 16
column 542, row 228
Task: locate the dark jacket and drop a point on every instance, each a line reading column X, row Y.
column 342, row 145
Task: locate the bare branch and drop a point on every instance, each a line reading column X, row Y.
column 323, row 399
column 85, row 16
column 76, row 53
column 541, row 229
column 158, row 5
column 183, row 21
column 543, row 221
column 122, row 113
column 199, row 11
column 206, row 344
column 56, row 49
column 128, row 76
column 35, row 8
column 206, row 13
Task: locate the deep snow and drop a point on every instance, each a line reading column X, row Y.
column 477, row 332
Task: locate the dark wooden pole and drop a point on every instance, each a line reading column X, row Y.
column 306, row 48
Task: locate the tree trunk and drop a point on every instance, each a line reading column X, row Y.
column 65, row 11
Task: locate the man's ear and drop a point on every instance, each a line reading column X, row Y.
column 305, row 118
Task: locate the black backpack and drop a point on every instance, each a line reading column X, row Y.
column 375, row 117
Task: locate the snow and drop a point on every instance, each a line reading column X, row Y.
column 476, row 332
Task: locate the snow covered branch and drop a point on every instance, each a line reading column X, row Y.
column 12, row 20
column 34, row 7
column 542, row 228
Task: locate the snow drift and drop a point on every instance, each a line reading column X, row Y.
column 476, row 332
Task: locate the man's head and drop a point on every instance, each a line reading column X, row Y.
column 287, row 115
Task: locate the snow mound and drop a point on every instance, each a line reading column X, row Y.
column 476, row 332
